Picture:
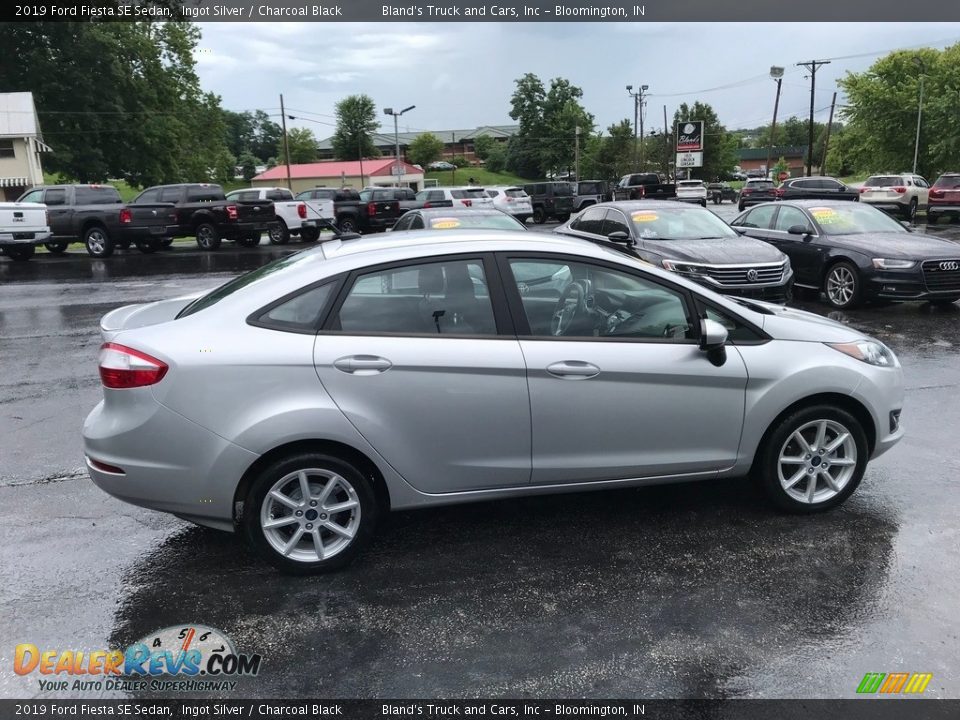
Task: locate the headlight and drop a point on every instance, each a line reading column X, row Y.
column 885, row 264
column 868, row 351
column 674, row 266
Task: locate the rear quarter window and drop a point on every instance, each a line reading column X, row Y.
column 96, row 195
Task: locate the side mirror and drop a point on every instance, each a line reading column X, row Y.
column 843, row 188
column 713, row 338
column 907, row 225
column 798, row 230
column 619, row 237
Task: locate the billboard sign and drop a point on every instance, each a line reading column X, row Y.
column 690, row 136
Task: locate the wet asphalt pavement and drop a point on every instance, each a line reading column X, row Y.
column 695, row 591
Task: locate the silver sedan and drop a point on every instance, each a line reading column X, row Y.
column 298, row 403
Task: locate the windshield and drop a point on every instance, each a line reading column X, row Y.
column 950, row 182
column 469, row 193
column 487, row 221
column 679, row 224
column 854, row 219
column 228, row 288
column 515, row 193
column 883, row 181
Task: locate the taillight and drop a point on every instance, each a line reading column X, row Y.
column 371, row 209
column 122, row 368
column 509, row 200
column 232, row 212
column 864, row 189
column 934, row 193
column 467, row 203
column 302, row 211
column 746, row 191
column 126, row 216
column 427, row 205
column 899, row 189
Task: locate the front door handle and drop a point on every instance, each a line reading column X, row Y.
column 573, row 370
column 362, row 364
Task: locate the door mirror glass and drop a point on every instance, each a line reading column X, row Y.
column 619, row 236
column 798, row 230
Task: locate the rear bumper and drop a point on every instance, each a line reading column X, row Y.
column 934, row 206
column 888, row 204
column 25, row 237
column 133, row 233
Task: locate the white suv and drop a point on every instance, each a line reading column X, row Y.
column 512, row 200
column 902, row 193
column 692, row 191
column 469, row 196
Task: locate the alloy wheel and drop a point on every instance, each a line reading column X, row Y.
column 841, row 285
column 817, row 461
column 96, row 242
column 310, row 515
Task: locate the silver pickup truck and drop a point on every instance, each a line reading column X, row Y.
column 23, row 226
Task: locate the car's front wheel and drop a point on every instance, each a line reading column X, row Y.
column 539, row 217
column 310, row 513
column 910, row 213
column 208, row 237
column 842, row 285
column 813, row 459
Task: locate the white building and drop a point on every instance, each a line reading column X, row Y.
column 21, row 143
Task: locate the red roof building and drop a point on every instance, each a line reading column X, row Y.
column 343, row 173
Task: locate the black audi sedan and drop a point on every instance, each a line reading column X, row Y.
column 853, row 252
column 447, row 218
column 689, row 241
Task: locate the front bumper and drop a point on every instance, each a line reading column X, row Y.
column 912, row 284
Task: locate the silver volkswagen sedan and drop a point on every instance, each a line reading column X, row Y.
column 299, row 402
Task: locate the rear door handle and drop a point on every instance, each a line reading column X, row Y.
column 573, row 370
column 362, row 364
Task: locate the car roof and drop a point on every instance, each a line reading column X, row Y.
column 459, row 211
column 648, row 205
column 812, row 203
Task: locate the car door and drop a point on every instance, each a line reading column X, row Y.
column 59, row 214
column 422, row 364
column 805, row 251
column 619, row 387
column 758, row 223
column 588, row 224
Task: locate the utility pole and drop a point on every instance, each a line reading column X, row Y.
column 398, row 182
column 916, row 144
column 360, row 155
column 777, row 74
column 576, row 154
column 286, row 145
column 667, row 140
column 826, row 141
column 637, row 119
column 812, row 66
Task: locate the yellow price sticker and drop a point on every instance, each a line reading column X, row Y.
column 644, row 216
column 444, row 223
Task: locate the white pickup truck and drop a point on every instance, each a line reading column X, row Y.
column 692, row 191
column 23, row 226
column 295, row 217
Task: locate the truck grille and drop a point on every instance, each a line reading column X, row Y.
column 942, row 274
column 743, row 274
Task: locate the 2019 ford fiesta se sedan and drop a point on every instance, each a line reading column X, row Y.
column 298, row 403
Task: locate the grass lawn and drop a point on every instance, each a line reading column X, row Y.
column 447, row 178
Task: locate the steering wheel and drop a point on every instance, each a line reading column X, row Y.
column 575, row 302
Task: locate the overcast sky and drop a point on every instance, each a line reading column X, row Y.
column 461, row 75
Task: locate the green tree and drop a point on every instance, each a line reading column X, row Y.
column 609, row 157
column 719, row 146
column 425, row 149
column 483, row 145
column 356, row 122
column 881, row 112
column 248, row 166
column 303, row 147
column 496, row 160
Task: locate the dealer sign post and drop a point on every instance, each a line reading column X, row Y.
column 690, row 144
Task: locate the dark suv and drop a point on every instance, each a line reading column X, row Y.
column 551, row 199
column 816, row 188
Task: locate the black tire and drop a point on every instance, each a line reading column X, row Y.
column 703, row 203
column 208, row 237
column 932, row 217
column 717, row 200
column 741, row 207
column 148, row 247
column 21, row 253
column 249, row 241
column 366, row 518
column 57, row 248
column 279, row 234
column 310, row 234
column 98, row 242
column 840, row 275
column 910, row 213
column 166, row 242
column 346, row 224
column 539, row 217
column 767, row 468
column 563, row 218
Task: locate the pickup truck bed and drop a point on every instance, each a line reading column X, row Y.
column 23, row 226
column 644, row 186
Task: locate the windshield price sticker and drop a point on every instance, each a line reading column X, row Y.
column 825, row 215
column 444, row 223
column 642, row 216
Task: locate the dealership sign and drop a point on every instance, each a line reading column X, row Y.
column 689, row 159
column 690, row 136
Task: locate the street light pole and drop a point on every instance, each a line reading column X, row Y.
column 637, row 120
column 396, row 140
column 777, row 74
column 916, row 144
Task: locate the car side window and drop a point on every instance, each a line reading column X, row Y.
column 34, row 196
column 563, row 299
column 590, row 221
column 403, row 223
column 55, row 197
column 149, row 196
column 736, row 331
column 493, row 193
column 615, row 222
column 435, row 298
column 417, row 223
column 170, row 195
column 301, row 312
column 760, row 217
column 790, row 216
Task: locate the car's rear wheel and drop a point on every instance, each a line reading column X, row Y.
column 279, row 234
column 910, row 212
column 98, row 242
column 310, row 234
column 166, row 242
column 932, row 217
column 841, row 285
column 310, row 513
column 741, row 207
column 21, row 253
column 813, row 459
column 57, row 248
column 249, row 241
column 346, row 224
column 207, row 236
column 538, row 216
column 147, row 247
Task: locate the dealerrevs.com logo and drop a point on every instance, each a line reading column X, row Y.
column 179, row 658
column 894, row 683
